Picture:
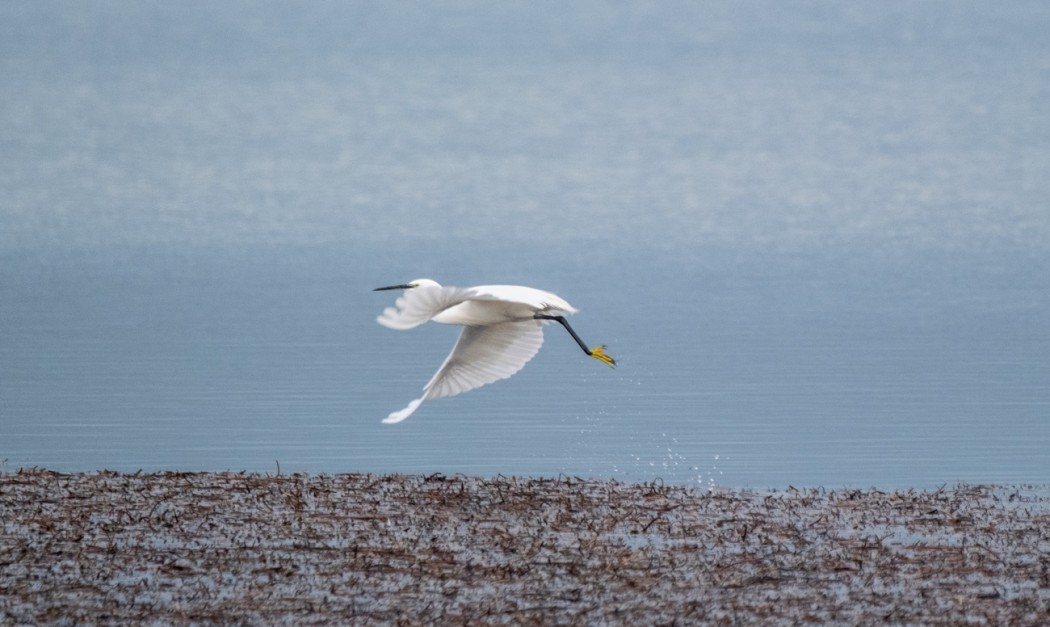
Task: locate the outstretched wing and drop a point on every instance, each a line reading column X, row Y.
column 482, row 355
column 486, row 354
column 419, row 304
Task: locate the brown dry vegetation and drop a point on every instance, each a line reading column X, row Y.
column 242, row 548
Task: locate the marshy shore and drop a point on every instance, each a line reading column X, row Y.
column 246, row 548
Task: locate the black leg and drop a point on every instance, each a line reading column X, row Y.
column 565, row 323
column 598, row 352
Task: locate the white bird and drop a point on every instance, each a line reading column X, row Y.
column 502, row 331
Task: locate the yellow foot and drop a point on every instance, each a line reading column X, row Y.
column 598, row 352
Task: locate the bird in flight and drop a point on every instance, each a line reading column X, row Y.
column 502, row 331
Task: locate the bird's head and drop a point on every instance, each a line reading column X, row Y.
column 410, row 285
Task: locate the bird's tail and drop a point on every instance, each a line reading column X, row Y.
column 398, row 416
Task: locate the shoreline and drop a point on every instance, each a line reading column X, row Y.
column 208, row 547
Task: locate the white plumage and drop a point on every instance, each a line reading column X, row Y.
column 502, row 331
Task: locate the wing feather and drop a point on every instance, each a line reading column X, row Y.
column 484, row 355
column 417, row 305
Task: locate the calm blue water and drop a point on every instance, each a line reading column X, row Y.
column 815, row 236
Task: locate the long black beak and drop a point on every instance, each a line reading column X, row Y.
column 403, row 286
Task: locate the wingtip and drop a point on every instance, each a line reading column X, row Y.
column 398, row 416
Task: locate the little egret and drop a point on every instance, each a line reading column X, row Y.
column 502, row 331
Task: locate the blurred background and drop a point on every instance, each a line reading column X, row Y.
column 815, row 236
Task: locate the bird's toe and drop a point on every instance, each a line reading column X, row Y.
column 598, row 352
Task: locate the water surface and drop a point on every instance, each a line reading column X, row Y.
column 815, row 237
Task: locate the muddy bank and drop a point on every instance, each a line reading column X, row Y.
column 239, row 548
